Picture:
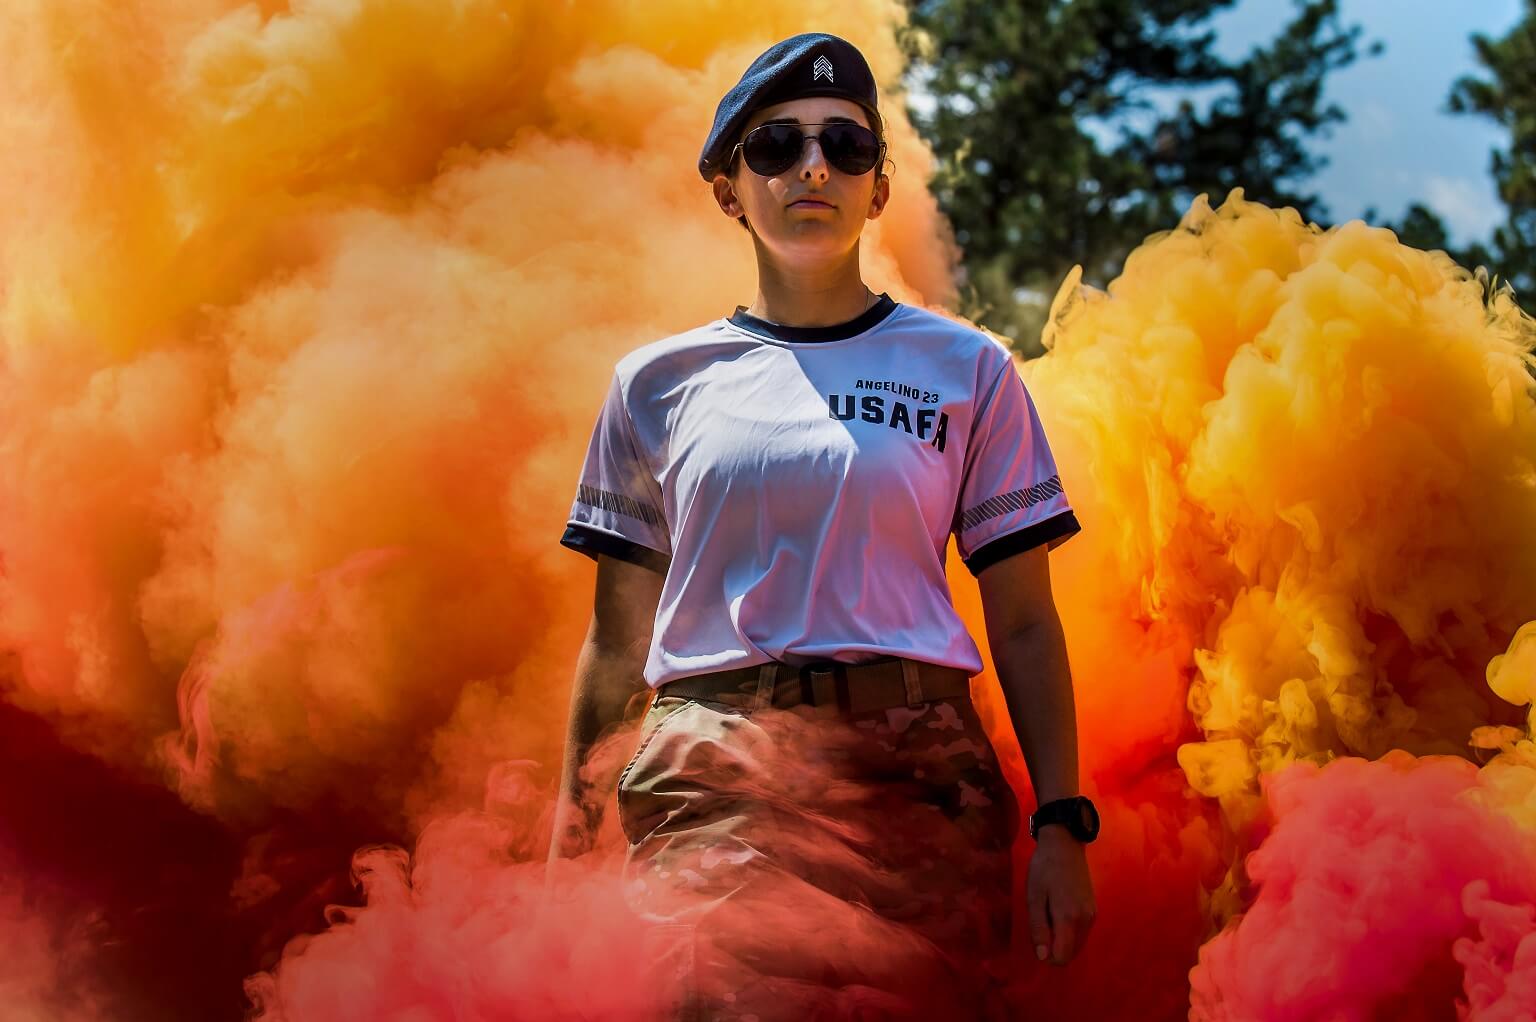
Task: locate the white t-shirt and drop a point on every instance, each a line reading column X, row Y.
column 798, row 486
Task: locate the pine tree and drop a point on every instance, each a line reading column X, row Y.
column 1509, row 97
column 1068, row 130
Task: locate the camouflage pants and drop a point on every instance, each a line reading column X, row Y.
column 802, row 864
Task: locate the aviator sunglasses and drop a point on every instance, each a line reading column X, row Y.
column 771, row 149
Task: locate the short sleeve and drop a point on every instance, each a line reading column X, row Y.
column 1011, row 498
column 618, row 505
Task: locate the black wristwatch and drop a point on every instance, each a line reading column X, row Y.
column 1077, row 813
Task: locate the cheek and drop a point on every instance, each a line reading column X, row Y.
column 765, row 197
column 769, row 191
column 749, row 190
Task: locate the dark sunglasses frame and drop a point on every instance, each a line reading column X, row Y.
column 845, row 161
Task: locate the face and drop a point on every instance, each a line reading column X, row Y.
column 783, row 222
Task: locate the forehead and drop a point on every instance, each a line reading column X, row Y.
column 810, row 110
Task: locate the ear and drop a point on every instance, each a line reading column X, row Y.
column 881, row 196
column 725, row 196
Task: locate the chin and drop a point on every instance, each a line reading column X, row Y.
column 813, row 239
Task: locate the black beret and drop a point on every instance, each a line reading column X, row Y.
column 810, row 64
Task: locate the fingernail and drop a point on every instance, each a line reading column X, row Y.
column 1040, row 951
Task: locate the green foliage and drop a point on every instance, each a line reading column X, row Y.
column 1069, row 130
column 1509, row 97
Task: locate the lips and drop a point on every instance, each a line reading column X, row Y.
column 811, row 202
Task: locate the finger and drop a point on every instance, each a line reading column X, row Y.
column 1075, row 932
column 1039, row 922
column 1064, row 931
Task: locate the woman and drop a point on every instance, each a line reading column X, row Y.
column 812, row 804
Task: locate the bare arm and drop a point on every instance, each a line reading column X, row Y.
column 609, row 674
column 1030, row 653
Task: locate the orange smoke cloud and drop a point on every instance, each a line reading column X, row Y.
column 303, row 324
column 304, row 320
column 381, row 260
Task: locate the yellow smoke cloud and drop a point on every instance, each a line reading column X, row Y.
column 1319, row 445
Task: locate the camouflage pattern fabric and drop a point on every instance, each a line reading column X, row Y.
column 802, row 864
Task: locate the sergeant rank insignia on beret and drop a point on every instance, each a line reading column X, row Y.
column 823, row 67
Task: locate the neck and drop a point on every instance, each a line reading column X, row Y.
column 820, row 295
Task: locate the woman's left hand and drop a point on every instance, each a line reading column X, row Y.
column 1059, row 895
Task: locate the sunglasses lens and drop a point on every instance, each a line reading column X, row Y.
column 850, row 148
column 772, row 149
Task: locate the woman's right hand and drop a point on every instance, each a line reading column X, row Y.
column 575, row 826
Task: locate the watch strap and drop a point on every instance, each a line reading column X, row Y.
column 1066, row 811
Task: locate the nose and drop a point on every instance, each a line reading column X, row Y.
column 813, row 164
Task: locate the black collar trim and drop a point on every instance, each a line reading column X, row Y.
column 836, row 332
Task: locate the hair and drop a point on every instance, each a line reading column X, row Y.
column 876, row 124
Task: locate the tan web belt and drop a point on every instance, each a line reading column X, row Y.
column 853, row 688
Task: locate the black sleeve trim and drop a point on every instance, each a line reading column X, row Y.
column 1053, row 530
column 593, row 542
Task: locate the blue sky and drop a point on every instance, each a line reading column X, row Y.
column 1398, row 144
